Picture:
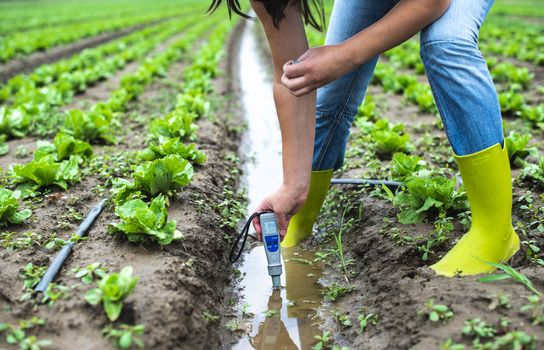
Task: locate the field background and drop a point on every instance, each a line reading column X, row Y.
column 139, row 101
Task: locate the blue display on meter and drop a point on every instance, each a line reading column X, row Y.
column 272, row 243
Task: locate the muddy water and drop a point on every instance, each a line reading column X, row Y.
column 283, row 319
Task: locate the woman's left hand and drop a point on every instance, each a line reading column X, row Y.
column 316, row 67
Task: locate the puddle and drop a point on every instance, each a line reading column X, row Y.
column 291, row 324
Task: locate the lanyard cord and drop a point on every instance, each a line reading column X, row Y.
column 243, row 234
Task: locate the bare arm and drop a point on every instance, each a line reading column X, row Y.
column 296, row 117
column 322, row 65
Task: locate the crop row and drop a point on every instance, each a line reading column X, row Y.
column 510, row 81
column 141, row 202
column 33, row 103
column 69, row 13
column 58, row 163
column 513, row 38
column 24, row 43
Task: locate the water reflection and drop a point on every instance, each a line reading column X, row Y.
column 291, row 324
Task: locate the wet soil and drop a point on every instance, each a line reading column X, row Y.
column 178, row 283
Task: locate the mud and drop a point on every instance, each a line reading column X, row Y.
column 178, row 283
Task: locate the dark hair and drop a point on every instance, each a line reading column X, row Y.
column 276, row 10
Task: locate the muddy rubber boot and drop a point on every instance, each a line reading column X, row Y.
column 302, row 223
column 487, row 180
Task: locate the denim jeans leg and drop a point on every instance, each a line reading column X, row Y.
column 459, row 77
column 338, row 101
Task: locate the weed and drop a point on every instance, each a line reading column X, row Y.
column 334, row 291
column 499, row 300
column 511, row 340
column 209, row 317
column 451, row 345
column 245, row 310
column 535, row 309
column 365, row 320
column 436, row 312
column 125, row 335
column 323, row 341
column 510, row 272
column 233, row 325
column 54, row 293
column 89, row 273
column 270, row 312
column 31, row 275
column 16, row 334
column 478, row 328
column 342, row 319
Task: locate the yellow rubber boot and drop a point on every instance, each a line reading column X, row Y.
column 487, row 180
column 302, row 223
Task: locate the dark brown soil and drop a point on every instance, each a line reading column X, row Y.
column 178, row 283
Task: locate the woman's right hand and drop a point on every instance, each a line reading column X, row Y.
column 285, row 203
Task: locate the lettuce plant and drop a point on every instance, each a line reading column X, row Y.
column 9, row 208
column 4, row 147
column 534, row 172
column 403, row 165
column 427, row 196
column 92, row 126
column 388, row 142
column 163, row 175
column 46, row 171
column 194, row 101
column 14, row 122
column 178, row 123
column 112, row 291
column 166, row 146
column 63, row 147
column 516, row 145
column 140, row 221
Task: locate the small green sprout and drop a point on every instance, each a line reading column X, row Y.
column 365, row 320
column 125, row 336
column 436, row 312
column 210, row 317
column 478, row 328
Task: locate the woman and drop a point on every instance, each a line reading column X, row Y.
column 467, row 102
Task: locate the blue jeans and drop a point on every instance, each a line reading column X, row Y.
column 461, row 84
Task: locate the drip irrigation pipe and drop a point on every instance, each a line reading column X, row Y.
column 55, row 266
column 392, row 185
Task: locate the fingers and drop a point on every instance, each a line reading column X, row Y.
column 257, row 226
column 294, row 69
column 282, row 221
column 294, row 84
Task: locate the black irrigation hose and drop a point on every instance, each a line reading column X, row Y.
column 392, row 185
column 65, row 251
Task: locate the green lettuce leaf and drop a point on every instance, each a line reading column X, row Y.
column 178, row 123
column 63, row 147
column 91, row 127
column 45, row 172
column 9, row 206
column 166, row 146
column 112, row 291
column 163, row 175
column 14, row 122
column 140, row 221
